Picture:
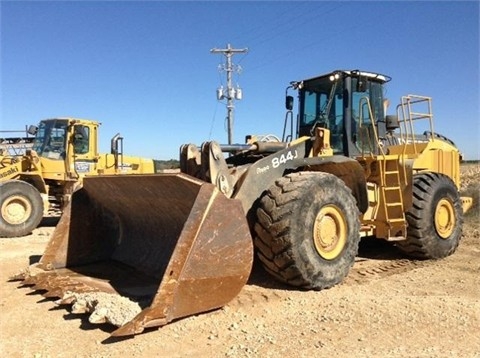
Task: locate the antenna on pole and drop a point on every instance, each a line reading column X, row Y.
column 230, row 93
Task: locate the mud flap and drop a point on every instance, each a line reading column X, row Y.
column 170, row 242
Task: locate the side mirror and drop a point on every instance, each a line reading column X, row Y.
column 289, row 103
column 391, row 122
column 32, row 130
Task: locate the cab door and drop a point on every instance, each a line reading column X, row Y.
column 84, row 149
column 366, row 111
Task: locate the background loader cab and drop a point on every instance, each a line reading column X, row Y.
column 65, row 146
column 64, row 151
column 341, row 102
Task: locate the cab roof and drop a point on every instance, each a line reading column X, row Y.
column 71, row 119
column 348, row 73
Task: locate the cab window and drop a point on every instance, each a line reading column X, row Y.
column 50, row 139
column 81, row 139
column 321, row 104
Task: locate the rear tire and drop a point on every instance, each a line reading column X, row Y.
column 21, row 208
column 307, row 230
column 435, row 219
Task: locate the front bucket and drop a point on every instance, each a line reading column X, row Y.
column 171, row 243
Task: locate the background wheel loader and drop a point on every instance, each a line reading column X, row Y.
column 181, row 244
column 43, row 178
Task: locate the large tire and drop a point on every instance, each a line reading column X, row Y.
column 435, row 219
column 21, row 208
column 308, row 230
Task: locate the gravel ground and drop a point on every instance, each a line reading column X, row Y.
column 388, row 306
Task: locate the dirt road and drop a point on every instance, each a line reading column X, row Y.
column 388, row 306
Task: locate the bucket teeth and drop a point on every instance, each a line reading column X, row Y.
column 57, row 292
column 29, row 280
column 56, row 286
column 17, row 277
column 66, row 299
column 48, row 282
column 129, row 329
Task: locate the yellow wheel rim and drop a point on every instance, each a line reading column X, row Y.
column 16, row 210
column 445, row 218
column 330, row 232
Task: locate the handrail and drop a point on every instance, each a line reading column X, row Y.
column 407, row 115
column 366, row 101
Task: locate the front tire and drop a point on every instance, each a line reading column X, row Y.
column 307, row 230
column 21, row 208
column 435, row 219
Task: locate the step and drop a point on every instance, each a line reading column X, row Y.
column 399, row 220
column 396, row 238
column 391, row 188
column 394, row 204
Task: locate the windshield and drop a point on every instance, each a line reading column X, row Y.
column 321, row 104
column 50, row 139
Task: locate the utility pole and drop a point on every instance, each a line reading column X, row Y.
column 231, row 93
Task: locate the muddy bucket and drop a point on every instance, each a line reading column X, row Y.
column 170, row 243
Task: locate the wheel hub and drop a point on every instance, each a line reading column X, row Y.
column 444, row 218
column 16, row 210
column 330, row 232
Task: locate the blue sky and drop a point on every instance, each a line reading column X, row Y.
column 144, row 69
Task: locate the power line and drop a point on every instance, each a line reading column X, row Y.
column 231, row 93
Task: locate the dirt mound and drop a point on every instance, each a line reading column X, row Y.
column 470, row 184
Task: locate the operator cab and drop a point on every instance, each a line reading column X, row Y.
column 53, row 136
column 348, row 103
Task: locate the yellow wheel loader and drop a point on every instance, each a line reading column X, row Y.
column 43, row 178
column 181, row 244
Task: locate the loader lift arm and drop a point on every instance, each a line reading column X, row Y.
column 246, row 181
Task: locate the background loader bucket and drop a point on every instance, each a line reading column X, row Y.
column 171, row 243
